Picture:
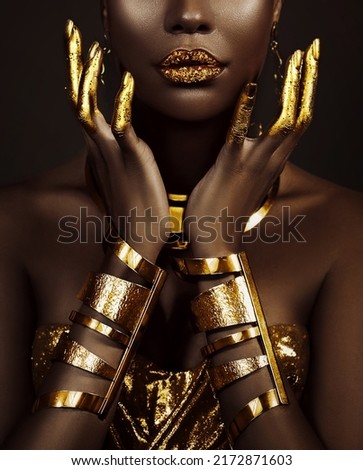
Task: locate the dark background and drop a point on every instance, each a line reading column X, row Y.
column 39, row 130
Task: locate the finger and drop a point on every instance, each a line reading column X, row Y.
column 242, row 115
column 73, row 41
column 121, row 119
column 309, row 83
column 290, row 97
column 87, row 99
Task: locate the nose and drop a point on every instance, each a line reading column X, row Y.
column 189, row 17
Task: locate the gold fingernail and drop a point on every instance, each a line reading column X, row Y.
column 298, row 58
column 93, row 50
column 69, row 28
column 127, row 79
column 316, row 48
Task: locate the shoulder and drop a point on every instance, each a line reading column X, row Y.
column 28, row 205
column 333, row 212
column 321, row 195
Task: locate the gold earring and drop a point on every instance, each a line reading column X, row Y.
column 274, row 45
column 106, row 51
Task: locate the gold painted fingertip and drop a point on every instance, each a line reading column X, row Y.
column 128, row 82
column 93, row 50
column 315, row 49
column 69, row 28
column 297, row 59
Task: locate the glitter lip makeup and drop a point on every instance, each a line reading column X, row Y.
column 195, row 66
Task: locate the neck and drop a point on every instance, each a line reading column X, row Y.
column 184, row 151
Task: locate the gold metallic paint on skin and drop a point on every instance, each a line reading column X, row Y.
column 290, row 96
column 87, row 99
column 242, row 115
column 195, row 66
column 123, row 105
column 310, row 79
column 299, row 91
column 74, row 59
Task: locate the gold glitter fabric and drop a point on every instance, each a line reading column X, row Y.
column 161, row 409
column 45, row 341
column 291, row 347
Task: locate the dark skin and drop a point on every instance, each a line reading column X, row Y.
column 316, row 283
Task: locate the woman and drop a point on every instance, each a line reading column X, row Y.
column 190, row 384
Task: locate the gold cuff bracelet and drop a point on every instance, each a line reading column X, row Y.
column 118, row 300
column 207, row 266
column 70, row 352
column 237, row 302
column 99, row 327
column 135, row 261
column 227, row 304
column 83, row 401
column 255, row 408
column 230, row 340
column 226, row 374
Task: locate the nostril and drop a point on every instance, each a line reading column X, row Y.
column 203, row 28
column 189, row 29
column 178, row 28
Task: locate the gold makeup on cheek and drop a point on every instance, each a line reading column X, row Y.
column 123, row 105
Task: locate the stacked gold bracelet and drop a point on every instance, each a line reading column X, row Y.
column 127, row 307
column 234, row 303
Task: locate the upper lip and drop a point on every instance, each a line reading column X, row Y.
column 184, row 58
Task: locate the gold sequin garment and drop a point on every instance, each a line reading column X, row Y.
column 160, row 409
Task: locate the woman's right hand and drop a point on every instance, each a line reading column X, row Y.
column 122, row 166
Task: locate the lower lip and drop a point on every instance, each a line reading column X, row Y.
column 190, row 74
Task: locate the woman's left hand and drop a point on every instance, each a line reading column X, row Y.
column 245, row 168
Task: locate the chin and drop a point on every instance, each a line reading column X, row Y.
column 189, row 103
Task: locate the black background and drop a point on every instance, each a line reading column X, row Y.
column 39, row 131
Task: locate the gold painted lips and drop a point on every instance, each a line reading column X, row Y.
column 195, row 66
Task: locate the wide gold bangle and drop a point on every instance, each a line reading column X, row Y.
column 206, row 266
column 118, row 300
column 99, row 327
column 72, row 353
column 69, row 399
column 225, row 374
column 135, row 261
column 255, row 408
column 230, row 340
column 227, row 304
